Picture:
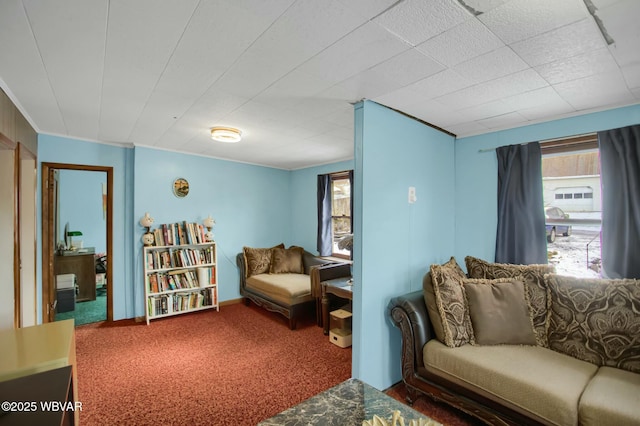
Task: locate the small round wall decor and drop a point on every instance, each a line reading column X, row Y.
column 180, row 187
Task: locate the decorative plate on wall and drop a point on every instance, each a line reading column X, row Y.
column 180, row 187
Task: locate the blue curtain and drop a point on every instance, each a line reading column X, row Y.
column 325, row 234
column 620, row 180
column 520, row 237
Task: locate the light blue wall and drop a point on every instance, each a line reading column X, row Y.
column 251, row 206
column 54, row 149
column 80, row 201
column 477, row 173
column 304, row 211
column 395, row 242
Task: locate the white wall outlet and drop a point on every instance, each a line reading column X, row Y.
column 412, row 195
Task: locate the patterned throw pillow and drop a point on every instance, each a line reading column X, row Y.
column 596, row 320
column 286, row 260
column 534, row 283
column 451, row 304
column 258, row 260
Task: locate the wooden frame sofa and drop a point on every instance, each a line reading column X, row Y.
column 521, row 345
column 280, row 280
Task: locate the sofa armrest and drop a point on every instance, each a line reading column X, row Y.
column 310, row 260
column 326, row 272
column 409, row 313
column 242, row 270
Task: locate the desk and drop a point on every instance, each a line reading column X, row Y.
column 347, row 404
column 83, row 265
column 39, row 348
column 341, row 287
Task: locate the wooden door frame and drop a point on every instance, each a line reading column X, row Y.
column 48, row 249
column 21, row 153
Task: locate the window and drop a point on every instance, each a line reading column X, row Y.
column 571, row 191
column 341, row 214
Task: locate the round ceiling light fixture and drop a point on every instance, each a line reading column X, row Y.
column 226, row 134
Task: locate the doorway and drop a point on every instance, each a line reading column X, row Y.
column 64, row 251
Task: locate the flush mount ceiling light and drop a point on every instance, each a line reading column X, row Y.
column 226, row 134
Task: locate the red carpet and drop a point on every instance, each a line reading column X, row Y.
column 237, row 366
column 234, row 367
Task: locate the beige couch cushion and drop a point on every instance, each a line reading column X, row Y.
column 533, row 380
column 596, row 320
column 450, row 303
column 289, row 289
column 533, row 280
column 499, row 311
column 612, row 398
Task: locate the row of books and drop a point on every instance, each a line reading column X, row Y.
column 181, row 279
column 177, row 302
column 175, row 234
column 157, row 259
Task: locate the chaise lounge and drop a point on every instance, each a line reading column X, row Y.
column 280, row 280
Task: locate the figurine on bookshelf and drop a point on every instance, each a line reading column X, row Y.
column 147, row 237
column 208, row 223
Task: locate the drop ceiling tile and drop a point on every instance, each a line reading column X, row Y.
column 418, row 20
column 292, row 89
column 522, row 19
column 595, row 91
column 447, row 81
column 461, row 43
column 390, row 76
column 368, row 9
column 343, row 117
column 574, row 39
column 510, row 85
column 135, row 61
column 512, row 119
column 549, row 110
column 584, row 65
column 483, row 6
column 533, row 98
column 631, row 75
column 431, row 112
column 467, row 129
column 78, row 88
column 490, row 66
column 621, row 23
column 361, row 49
column 197, row 61
column 304, row 30
column 406, row 68
column 483, row 111
column 24, row 76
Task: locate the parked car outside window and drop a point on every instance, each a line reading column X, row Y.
column 551, row 213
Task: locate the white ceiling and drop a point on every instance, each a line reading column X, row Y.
column 160, row 73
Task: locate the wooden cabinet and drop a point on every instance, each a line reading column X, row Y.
column 41, row 348
column 84, row 267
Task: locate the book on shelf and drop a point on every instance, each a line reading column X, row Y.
column 206, row 276
column 174, row 234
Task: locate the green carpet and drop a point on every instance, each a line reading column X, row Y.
column 87, row 312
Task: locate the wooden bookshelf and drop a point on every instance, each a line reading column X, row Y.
column 180, row 278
